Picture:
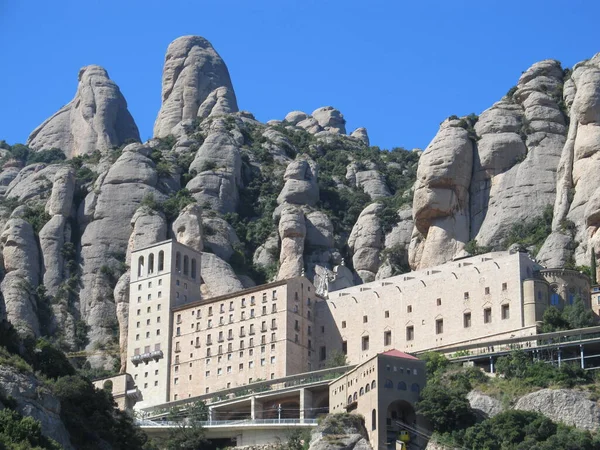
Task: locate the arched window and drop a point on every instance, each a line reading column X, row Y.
column 108, row 386
column 401, row 386
column 140, row 266
column 194, row 268
column 362, row 392
column 367, row 388
column 150, row 263
column 161, row 261
column 349, row 399
column 373, row 384
column 374, row 419
column 415, row 388
column 178, row 262
column 355, row 396
column 186, row 265
column 388, row 384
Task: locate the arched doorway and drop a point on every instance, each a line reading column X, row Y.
column 399, row 412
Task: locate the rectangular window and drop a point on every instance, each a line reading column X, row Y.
column 466, row 296
column 322, row 353
column 344, row 322
column 345, row 347
column 387, row 338
column 365, row 343
column 410, row 333
column 467, row 320
column 409, row 309
column 487, row 291
column 241, row 367
column 487, row 315
column 505, row 311
column 365, row 319
column 439, row 302
column 439, row 326
column 504, row 286
column 387, row 314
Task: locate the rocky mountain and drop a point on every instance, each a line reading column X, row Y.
column 266, row 201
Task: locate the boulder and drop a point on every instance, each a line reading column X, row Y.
column 187, row 228
column 148, row 227
column 193, row 71
column 295, row 116
column 218, row 276
column 353, row 435
column 568, row 406
column 96, row 119
column 219, row 237
column 300, row 186
column 484, row 406
column 366, row 242
column 330, row 119
column 361, row 135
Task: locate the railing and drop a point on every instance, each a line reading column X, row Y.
column 227, row 423
column 537, row 341
column 290, row 381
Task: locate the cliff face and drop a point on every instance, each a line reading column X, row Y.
column 534, row 149
column 267, row 201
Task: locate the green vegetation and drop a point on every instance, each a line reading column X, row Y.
column 443, row 402
column 473, row 248
column 27, row 156
column 36, row 216
column 396, row 257
column 172, row 206
column 189, row 433
column 22, row 433
column 89, row 415
column 533, row 233
column 336, row 359
column 525, row 430
column 571, row 317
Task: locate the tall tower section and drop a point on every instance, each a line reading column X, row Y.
column 163, row 276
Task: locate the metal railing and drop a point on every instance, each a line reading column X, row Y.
column 536, row 341
column 227, row 423
column 260, row 387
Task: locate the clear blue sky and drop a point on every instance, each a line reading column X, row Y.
column 396, row 67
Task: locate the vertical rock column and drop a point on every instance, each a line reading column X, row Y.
column 441, row 198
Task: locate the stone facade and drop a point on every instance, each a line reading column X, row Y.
column 384, row 390
column 493, row 296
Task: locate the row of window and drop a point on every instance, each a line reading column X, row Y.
column 197, row 344
column 229, row 356
column 389, row 384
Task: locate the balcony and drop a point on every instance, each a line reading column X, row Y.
column 263, row 330
column 242, row 335
column 251, row 332
column 230, row 338
column 209, row 342
column 220, row 340
column 273, row 327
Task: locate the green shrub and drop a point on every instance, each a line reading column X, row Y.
column 36, row 216
column 475, row 249
column 445, row 407
column 54, row 155
column 532, row 233
column 21, row 433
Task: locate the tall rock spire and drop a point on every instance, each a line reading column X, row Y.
column 193, row 73
column 96, row 119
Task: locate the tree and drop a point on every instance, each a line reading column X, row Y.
column 445, row 407
column 553, row 320
column 577, row 315
column 189, row 433
column 435, row 363
column 336, row 359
